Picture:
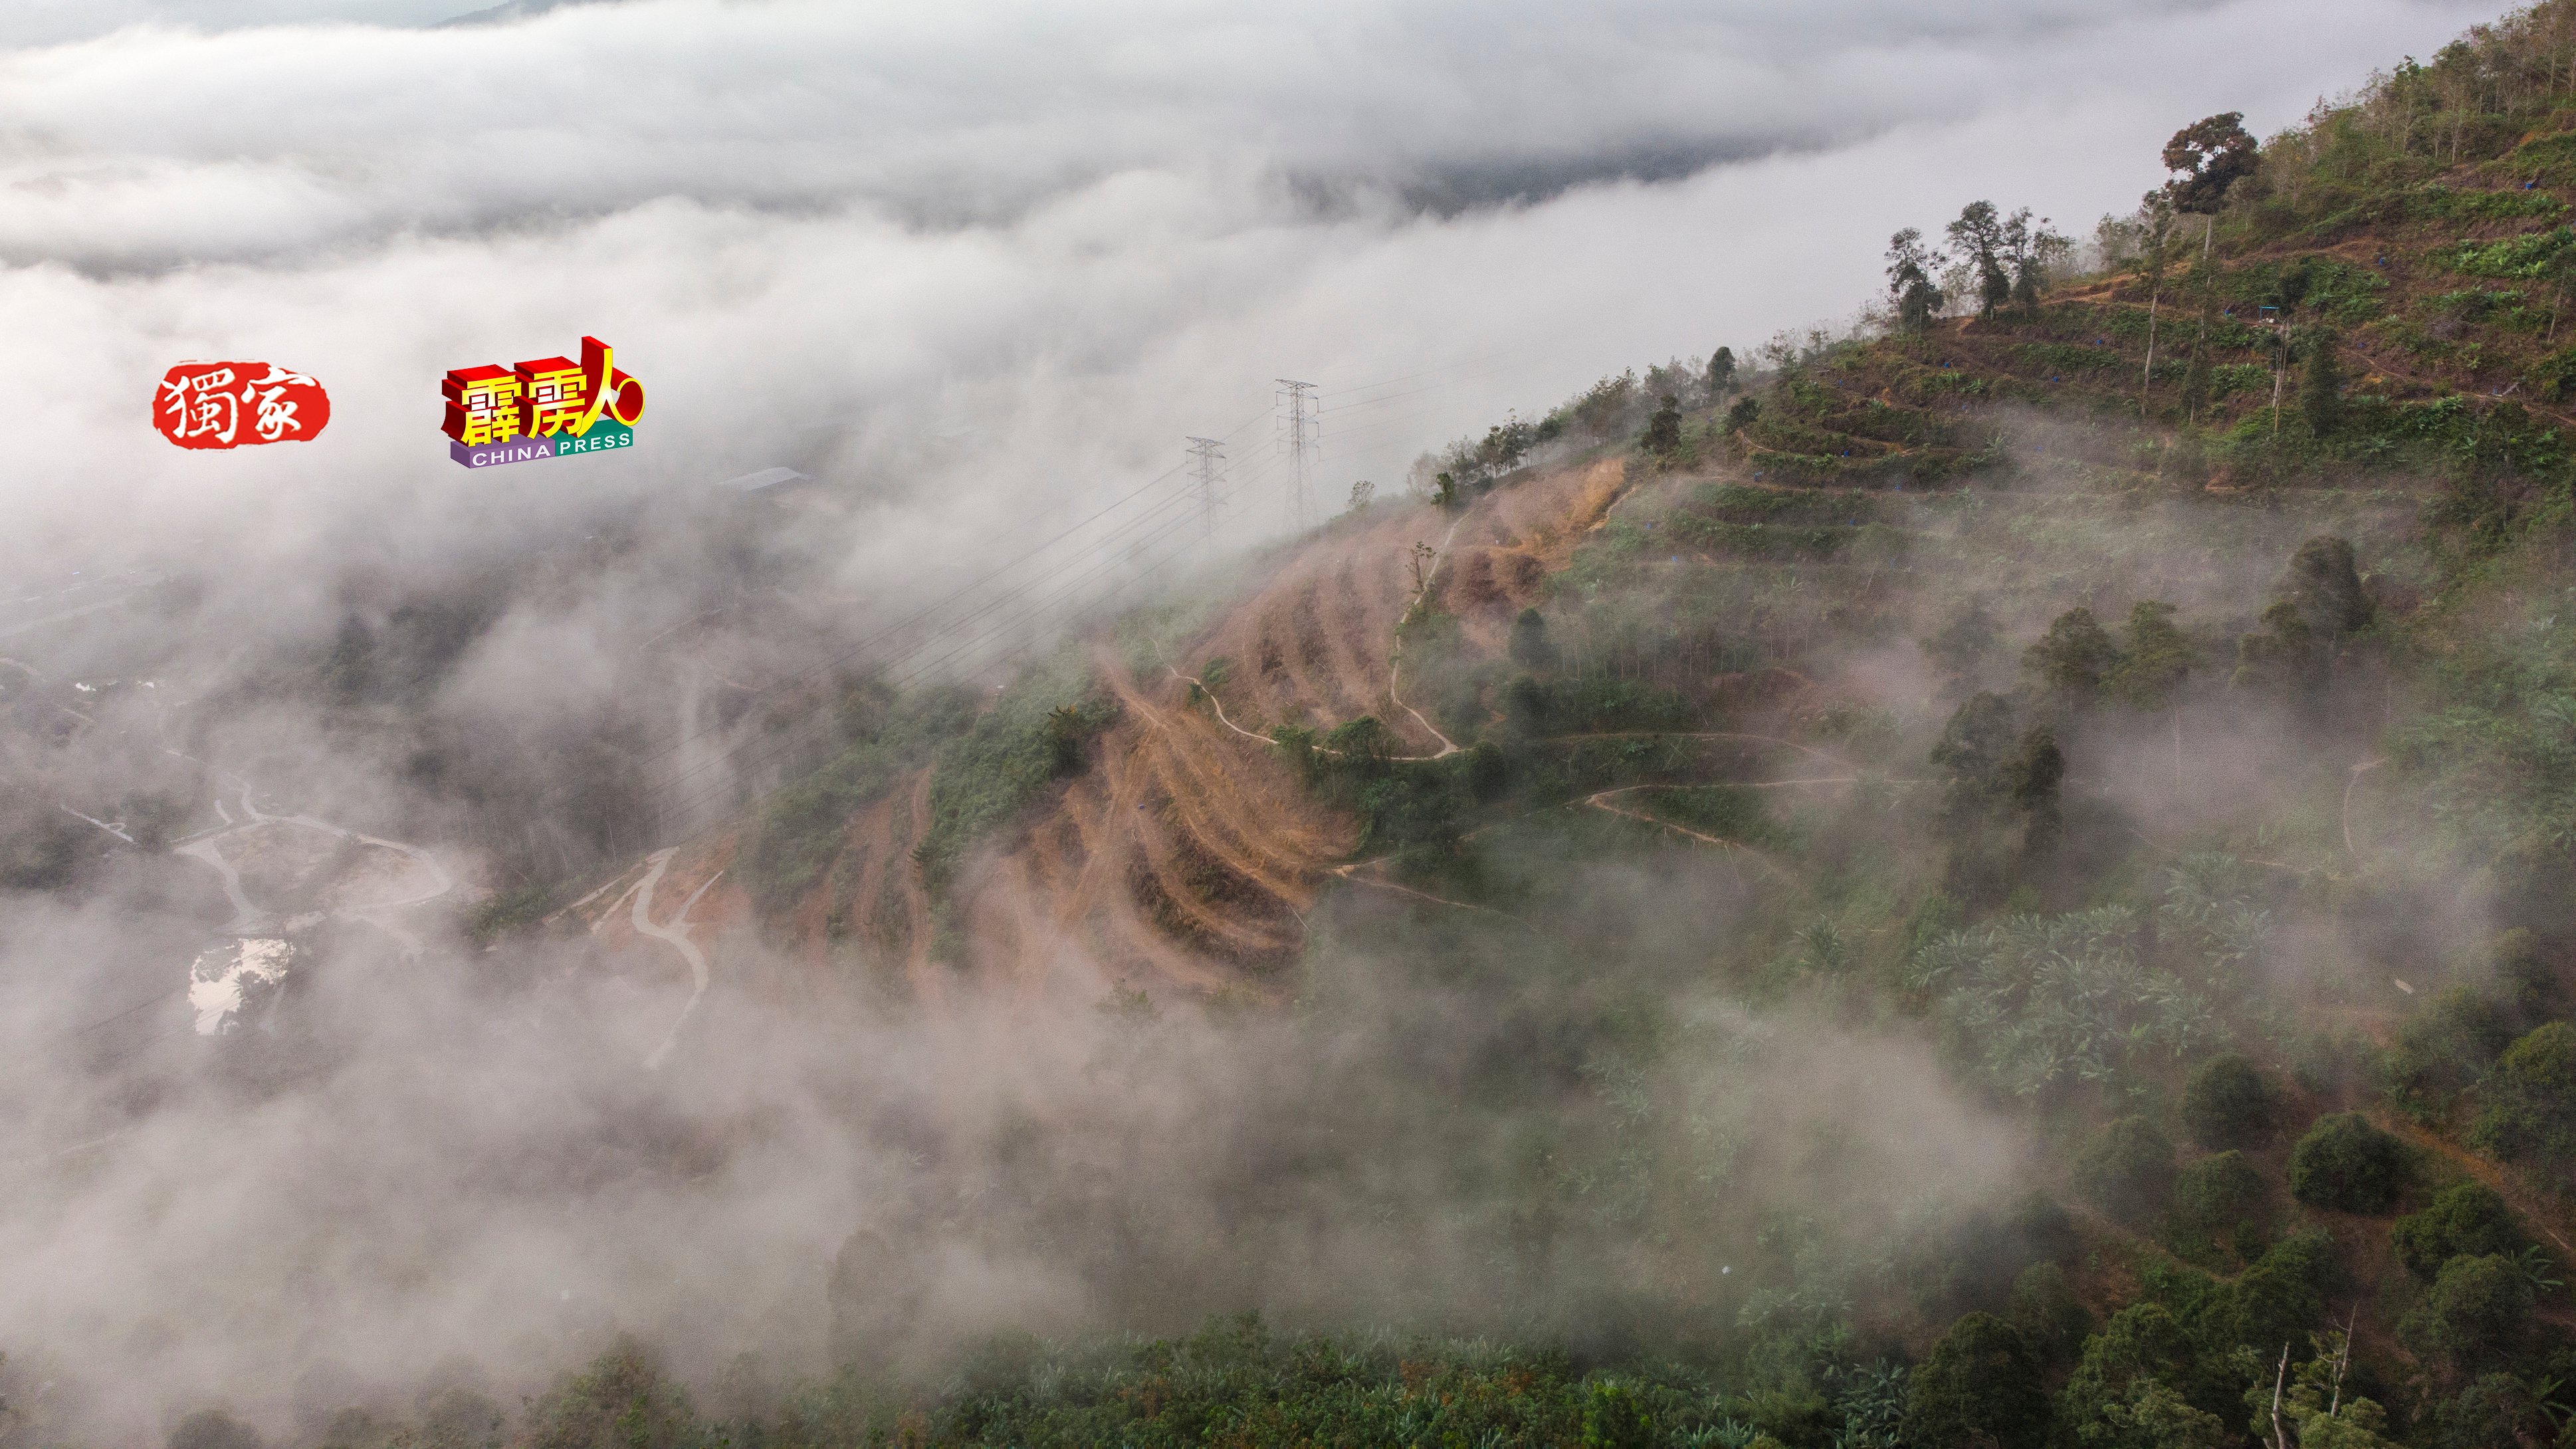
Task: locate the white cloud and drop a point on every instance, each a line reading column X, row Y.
column 812, row 227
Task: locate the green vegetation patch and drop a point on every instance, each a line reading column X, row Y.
column 2527, row 257
column 801, row 826
column 1033, row 734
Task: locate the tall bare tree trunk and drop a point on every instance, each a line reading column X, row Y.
column 2147, row 375
column 2280, row 1438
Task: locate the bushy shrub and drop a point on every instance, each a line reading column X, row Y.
column 2530, row 1109
column 2442, row 1049
column 623, row 1399
column 2497, row 1409
column 2347, row 1165
column 1979, row 1385
column 2281, row 1297
column 2143, row 1344
column 2227, row 1103
column 2476, row 1314
column 2212, row 1196
column 2051, row 1318
column 2127, row 1170
column 2465, row 1219
column 213, row 1429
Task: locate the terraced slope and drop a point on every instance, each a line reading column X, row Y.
column 1189, row 851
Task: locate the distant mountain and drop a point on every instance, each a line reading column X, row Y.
column 510, row 10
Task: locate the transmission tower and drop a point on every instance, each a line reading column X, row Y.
column 1304, row 430
column 1208, row 457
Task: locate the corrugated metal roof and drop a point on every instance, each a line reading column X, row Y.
column 765, row 478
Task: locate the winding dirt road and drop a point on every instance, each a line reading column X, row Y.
column 676, row 935
column 247, row 916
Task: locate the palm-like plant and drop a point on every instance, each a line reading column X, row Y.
column 2537, row 1268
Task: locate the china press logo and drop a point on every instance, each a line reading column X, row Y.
column 238, row 404
column 549, row 408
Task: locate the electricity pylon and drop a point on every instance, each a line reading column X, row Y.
column 1304, row 430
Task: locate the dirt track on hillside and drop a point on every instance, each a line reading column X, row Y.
column 1189, row 853
column 1186, row 853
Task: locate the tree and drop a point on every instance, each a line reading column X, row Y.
column 1980, row 1385
column 2155, row 661
column 2444, row 1048
column 2530, row 1109
column 2127, row 1170
column 1525, row 706
column 1742, row 415
column 2465, row 1219
column 1973, row 747
column 2357, row 1423
column 2140, row 1348
column 213, row 1429
column 2325, row 587
column 1964, row 642
column 2320, row 1410
column 2475, row 1315
column 2155, row 1416
column 2318, row 603
column 2030, row 781
column 1664, row 428
column 1530, row 648
column 1361, row 493
column 1721, row 372
column 1979, row 235
column 1068, row 731
column 2227, row 1103
column 2051, row 1318
column 2195, row 373
column 2321, row 384
column 2280, row 1296
column 2155, row 253
column 2072, row 658
column 1910, row 266
column 2031, row 249
column 2209, row 156
column 2497, row 1409
column 2347, row 1165
column 2282, row 656
column 622, row 1401
column 2215, row 1195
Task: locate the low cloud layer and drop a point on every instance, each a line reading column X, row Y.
column 156, row 146
column 990, row 258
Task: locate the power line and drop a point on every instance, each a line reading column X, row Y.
column 1383, row 398
column 1000, row 600
column 774, row 749
column 780, row 748
column 1303, row 436
column 934, row 607
column 1522, row 355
